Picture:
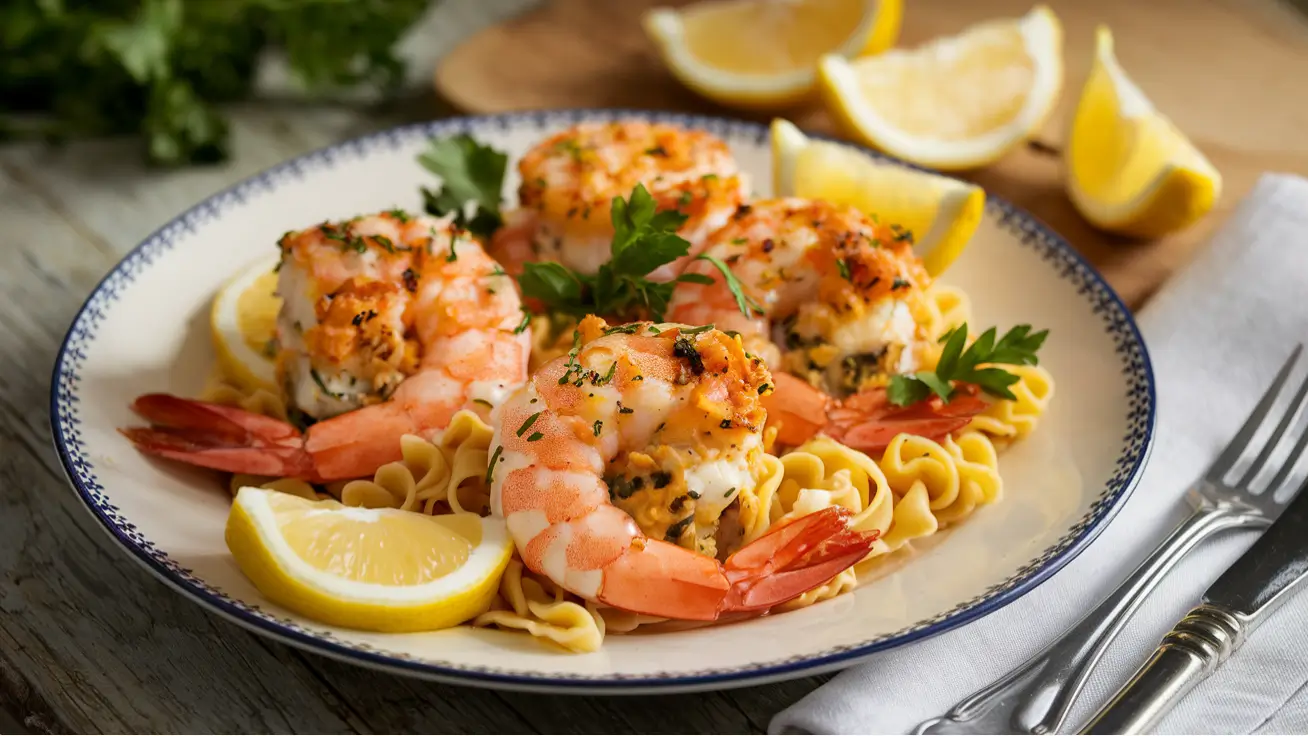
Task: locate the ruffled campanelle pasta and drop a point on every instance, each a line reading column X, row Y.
column 957, row 478
column 537, row 606
column 222, row 390
column 917, row 488
column 534, row 604
column 1015, row 419
column 940, row 308
column 433, row 477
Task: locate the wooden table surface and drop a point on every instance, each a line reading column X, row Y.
column 90, row 642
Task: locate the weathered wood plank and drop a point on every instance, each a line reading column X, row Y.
column 404, row 705
column 393, row 704
column 18, row 701
column 109, row 193
column 89, row 641
column 730, row 711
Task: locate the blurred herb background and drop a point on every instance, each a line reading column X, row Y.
column 161, row 69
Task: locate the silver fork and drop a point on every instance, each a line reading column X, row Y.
column 1036, row 696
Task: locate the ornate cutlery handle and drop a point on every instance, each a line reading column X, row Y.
column 1244, row 596
column 1036, row 696
column 1190, row 651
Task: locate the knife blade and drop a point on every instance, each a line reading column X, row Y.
column 1235, row 605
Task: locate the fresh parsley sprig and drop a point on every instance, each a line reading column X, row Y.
column 1018, row 346
column 643, row 240
column 471, row 173
column 166, row 71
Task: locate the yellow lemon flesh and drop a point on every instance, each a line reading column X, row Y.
column 763, row 53
column 370, row 569
column 942, row 213
column 956, row 103
column 1130, row 170
column 243, row 323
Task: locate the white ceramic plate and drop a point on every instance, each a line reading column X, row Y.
column 144, row 329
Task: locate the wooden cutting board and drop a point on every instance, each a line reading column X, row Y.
column 1230, row 73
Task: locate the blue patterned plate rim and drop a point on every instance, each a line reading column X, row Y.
column 1032, row 232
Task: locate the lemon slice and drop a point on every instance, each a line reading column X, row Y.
column 956, row 103
column 243, row 323
column 371, row 569
column 941, row 212
column 763, row 53
column 1130, row 170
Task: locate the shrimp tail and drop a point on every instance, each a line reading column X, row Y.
column 794, row 558
column 868, row 421
column 219, row 437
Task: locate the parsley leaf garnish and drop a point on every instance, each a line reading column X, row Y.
column 553, row 284
column 470, row 173
column 524, row 324
column 744, row 302
column 643, row 240
column 1018, row 346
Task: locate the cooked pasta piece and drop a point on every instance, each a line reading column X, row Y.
column 913, row 518
column 842, row 583
column 939, row 309
column 823, row 472
column 221, row 390
column 538, row 607
column 956, row 480
column 422, row 475
column 466, row 446
column 978, row 466
column 1013, row 419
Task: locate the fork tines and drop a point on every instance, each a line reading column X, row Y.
column 1281, row 441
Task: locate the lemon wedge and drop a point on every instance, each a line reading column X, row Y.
column 942, row 213
column 956, row 103
column 243, row 323
column 763, row 53
column 1130, row 170
column 371, row 569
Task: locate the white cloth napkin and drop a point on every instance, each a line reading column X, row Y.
column 1217, row 333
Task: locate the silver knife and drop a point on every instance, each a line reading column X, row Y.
column 1232, row 607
